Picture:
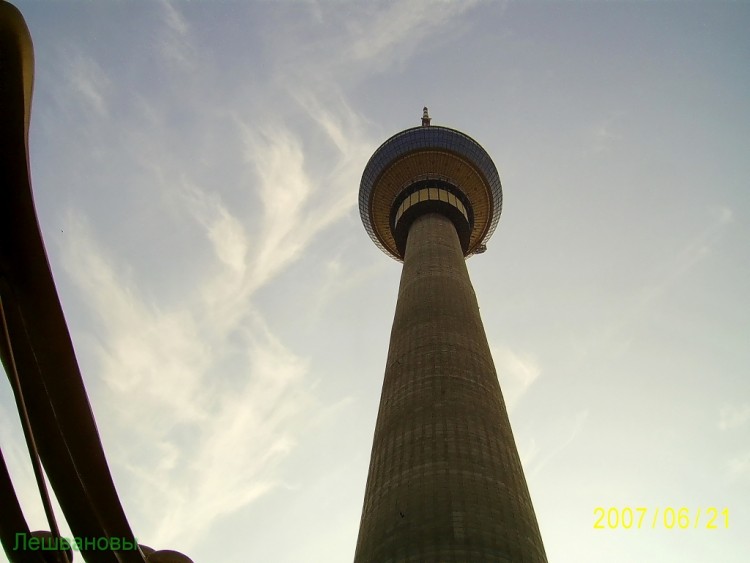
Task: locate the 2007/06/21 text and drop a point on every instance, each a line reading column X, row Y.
column 670, row 518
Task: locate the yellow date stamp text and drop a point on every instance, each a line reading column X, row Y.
column 669, row 518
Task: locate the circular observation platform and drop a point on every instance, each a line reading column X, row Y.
column 424, row 169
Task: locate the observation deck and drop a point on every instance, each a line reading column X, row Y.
column 430, row 168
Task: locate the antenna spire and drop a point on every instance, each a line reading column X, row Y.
column 425, row 118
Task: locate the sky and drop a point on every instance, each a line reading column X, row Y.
column 195, row 168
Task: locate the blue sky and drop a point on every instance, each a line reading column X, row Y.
column 195, row 168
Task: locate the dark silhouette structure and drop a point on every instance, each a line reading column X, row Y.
column 38, row 357
column 445, row 481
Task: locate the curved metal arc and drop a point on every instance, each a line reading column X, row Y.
column 12, row 521
column 50, row 380
column 6, row 349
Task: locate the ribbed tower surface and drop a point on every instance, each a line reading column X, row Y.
column 445, row 481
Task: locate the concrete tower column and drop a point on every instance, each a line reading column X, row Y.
column 445, row 480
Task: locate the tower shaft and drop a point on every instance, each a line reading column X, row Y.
column 445, row 481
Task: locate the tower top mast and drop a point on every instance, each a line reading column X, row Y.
column 425, row 118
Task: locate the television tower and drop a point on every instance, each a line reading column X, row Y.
column 445, row 481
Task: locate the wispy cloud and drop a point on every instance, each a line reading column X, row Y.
column 363, row 40
column 731, row 417
column 175, row 41
column 567, row 432
column 517, row 371
column 210, row 430
column 391, row 33
column 604, row 133
column 528, row 453
column 693, row 251
column 739, row 466
column 284, row 188
column 88, row 84
column 663, row 277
